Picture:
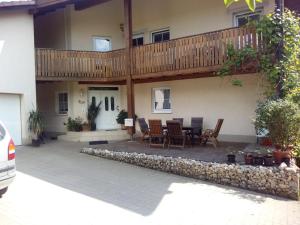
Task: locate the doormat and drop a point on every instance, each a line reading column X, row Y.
column 98, row 142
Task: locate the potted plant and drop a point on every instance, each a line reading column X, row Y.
column 36, row 126
column 121, row 118
column 268, row 160
column 231, row 158
column 92, row 114
column 248, row 158
column 74, row 125
column 296, row 154
column 282, row 119
column 258, row 159
column 86, row 126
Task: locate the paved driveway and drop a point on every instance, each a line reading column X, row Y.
column 57, row 185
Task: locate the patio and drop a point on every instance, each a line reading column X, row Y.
column 198, row 152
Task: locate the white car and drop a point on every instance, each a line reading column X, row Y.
column 7, row 159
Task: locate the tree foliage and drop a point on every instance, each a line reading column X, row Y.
column 251, row 3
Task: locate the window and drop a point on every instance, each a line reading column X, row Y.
column 137, row 40
column 62, row 103
column 242, row 19
column 112, row 104
column 101, row 44
column 160, row 36
column 106, row 104
column 161, row 100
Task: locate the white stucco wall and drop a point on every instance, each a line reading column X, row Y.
column 183, row 18
column 50, row 30
column 210, row 98
column 17, row 65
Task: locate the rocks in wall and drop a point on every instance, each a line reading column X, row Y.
column 280, row 181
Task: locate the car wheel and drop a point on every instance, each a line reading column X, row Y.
column 3, row 191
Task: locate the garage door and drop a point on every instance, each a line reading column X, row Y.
column 10, row 115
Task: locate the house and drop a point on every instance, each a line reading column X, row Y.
column 156, row 59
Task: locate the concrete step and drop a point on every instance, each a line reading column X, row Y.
column 99, row 135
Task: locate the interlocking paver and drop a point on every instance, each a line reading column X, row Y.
column 56, row 184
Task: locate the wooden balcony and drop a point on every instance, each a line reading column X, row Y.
column 200, row 54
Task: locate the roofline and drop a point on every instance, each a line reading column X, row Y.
column 17, row 4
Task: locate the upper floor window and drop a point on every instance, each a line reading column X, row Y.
column 160, row 36
column 63, row 103
column 137, row 40
column 101, row 44
column 242, row 19
column 161, row 100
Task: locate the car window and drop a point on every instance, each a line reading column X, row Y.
column 2, row 132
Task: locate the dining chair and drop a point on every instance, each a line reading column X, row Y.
column 176, row 137
column 156, row 134
column 180, row 120
column 211, row 136
column 144, row 128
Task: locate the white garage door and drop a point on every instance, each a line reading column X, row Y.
column 10, row 115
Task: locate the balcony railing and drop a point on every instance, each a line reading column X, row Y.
column 80, row 65
column 204, row 53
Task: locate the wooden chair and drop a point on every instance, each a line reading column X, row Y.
column 197, row 126
column 156, row 134
column 176, row 137
column 144, row 128
column 210, row 136
column 179, row 120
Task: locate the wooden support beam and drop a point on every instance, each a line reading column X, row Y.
column 128, row 49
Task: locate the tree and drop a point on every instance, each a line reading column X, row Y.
column 251, row 3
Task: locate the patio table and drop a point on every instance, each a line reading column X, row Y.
column 189, row 129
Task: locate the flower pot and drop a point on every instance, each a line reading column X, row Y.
column 277, row 154
column 258, row 160
column 86, row 127
column 248, row 159
column 286, row 154
column 287, row 161
column 93, row 126
column 268, row 160
column 266, row 142
column 231, row 158
column 123, row 127
column 35, row 142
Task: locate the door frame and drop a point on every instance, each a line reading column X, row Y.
column 116, row 88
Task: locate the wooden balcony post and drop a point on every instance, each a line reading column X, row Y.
column 128, row 48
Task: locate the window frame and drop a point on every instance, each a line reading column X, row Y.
column 59, row 112
column 136, row 36
column 236, row 15
column 163, row 111
column 152, row 33
column 94, row 38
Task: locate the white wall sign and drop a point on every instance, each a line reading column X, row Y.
column 129, row 122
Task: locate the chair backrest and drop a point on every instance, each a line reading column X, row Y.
column 180, row 120
column 155, row 127
column 197, row 124
column 174, row 128
column 218, row 127
column 143, row 125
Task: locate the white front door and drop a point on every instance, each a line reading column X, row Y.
column 109, row 111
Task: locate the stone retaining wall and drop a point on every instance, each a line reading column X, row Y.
column 271, row 180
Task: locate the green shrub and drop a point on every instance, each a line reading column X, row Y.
column 282, row 119
column 122, row 116
column 74, row 124
column 35, row 123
